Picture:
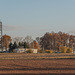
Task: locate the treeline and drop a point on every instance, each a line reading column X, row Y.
column 50, row 41
column 53, row 41
column 19, row 45
column 19, row 42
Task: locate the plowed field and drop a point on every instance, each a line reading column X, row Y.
column 23, row 66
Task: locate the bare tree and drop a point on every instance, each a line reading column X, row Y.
column 56, row 40
column 28, row 40
column 38, row 39
column 18, row 39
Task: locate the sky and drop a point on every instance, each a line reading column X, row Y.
column 36, row 17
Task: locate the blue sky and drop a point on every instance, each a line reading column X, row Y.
column 36, row 17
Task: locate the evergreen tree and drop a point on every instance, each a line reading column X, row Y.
column 10, row 47
column 15, row 45
column 25, row 45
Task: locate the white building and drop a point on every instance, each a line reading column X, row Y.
column 73, row 51
column 34, row 50
column 19, row 50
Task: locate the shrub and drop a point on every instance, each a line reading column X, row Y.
column 14, row 51
column 69, row 50
column 48, row 51
column 63, row 49
column 51, row 51
column 29, row 51
column 40, row 51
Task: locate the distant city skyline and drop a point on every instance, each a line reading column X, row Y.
column 36, row 17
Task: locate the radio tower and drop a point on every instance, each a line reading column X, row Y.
column 1, row 42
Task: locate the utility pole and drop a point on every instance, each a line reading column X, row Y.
column 1, row 40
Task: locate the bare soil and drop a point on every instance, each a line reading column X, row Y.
column 37, row 64
column 37, row 67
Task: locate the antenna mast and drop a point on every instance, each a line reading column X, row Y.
column 1, row 41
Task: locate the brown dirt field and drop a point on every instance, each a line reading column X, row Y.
column 37, row 67
column 37, row 56
column 37, row 64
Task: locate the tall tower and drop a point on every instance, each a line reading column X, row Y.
column 1, row 42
